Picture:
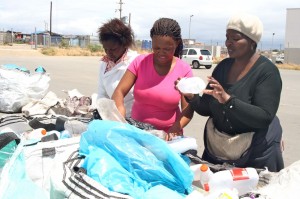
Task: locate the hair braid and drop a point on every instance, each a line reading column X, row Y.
column 168, row 27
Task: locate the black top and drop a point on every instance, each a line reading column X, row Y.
column 254, row 98
column 252, row 108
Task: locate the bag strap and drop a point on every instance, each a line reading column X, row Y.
column 6, row 138
column 11, row 119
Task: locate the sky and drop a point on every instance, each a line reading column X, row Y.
column 207, row 25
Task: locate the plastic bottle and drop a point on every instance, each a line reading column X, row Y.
column 196, row 170
column 36, row 134
column 205, row 176
column 242, row 179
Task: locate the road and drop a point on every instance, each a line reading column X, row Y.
column 67, row 73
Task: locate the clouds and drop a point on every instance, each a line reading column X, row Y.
column 84, row 17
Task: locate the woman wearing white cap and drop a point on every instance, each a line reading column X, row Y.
column 241, row 101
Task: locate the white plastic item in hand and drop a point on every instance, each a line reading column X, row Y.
column 193, row 85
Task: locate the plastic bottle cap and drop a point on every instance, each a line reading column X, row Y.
column 43, row 132
column 206, row 187
column 204, row 167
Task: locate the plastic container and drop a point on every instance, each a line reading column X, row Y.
column 191, row 85
column 205, row 176
column 183, row 144
column 36, row 134
column 196, row 170
column 242, row 179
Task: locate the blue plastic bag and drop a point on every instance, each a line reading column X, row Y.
column 144, row 156
column 15, row 183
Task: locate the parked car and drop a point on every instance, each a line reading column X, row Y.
column 197, row 57
column 279, row 59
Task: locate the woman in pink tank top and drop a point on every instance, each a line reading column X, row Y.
column 156, row 99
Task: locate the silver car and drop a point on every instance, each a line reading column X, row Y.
column 197, row 57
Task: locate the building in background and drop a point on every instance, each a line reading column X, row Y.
column 292, row 36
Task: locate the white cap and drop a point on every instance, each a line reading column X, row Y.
column 249, row 25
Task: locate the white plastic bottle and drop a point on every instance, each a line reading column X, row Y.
column 205, row 176
column 196, row 170
column 36, row 134
column 242, row 179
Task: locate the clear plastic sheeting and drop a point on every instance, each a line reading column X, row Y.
column 19, row 87
column 134, row 158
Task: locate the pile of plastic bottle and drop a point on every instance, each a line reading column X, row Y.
column 226, row 184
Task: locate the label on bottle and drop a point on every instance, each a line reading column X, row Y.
column 239, row 174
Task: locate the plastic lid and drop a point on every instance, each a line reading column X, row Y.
column 206, row 187
column 43, row 132
column 204, row 167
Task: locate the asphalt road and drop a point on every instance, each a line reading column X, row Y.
column 81, row 73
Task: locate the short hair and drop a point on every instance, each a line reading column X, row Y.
column 116, row 30
column 168, row 27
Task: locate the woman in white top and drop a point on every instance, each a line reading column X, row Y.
column 116, row 39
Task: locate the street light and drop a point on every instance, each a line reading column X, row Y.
column 272, row 41
column 190, row 27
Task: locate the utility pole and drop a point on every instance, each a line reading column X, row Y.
column 12, row 37
column 129, row 19
column 120, row 9
column 190, row 27
column 46, row 25
column 272, row 41
column 50, row 18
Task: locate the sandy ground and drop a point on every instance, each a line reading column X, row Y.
column 19, row 50
column 69, row 72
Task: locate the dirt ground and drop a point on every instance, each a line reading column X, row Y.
column 19, row 50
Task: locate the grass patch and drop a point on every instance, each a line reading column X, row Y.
column 288, row 66
column 71, row 51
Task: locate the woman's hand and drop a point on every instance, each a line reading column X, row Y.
column 174, row 131
column 217, row 92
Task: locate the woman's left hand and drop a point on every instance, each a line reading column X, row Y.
column 217, row 91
